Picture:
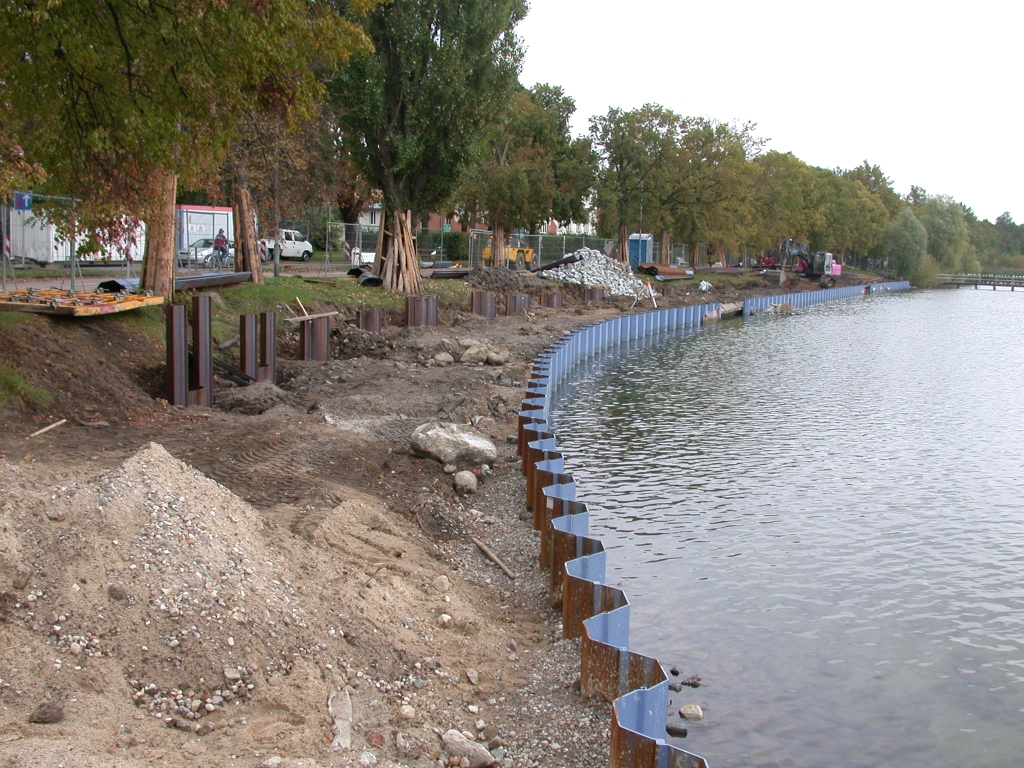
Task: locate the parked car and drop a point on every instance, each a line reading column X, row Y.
column 293, row 245
column 199, row 254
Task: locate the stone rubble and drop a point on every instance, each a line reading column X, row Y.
column 595, row 269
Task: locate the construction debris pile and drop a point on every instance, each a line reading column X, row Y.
column 594, row 269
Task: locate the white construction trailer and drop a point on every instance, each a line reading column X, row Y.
column 33, row 239
column 196, row 223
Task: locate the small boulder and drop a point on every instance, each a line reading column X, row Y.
column 457, row 745
column 46, row 713
column 497, row 357
column 485, row 353
column 443, row 359
column 117, row 593
column 692, row 712
column 477, row 354
column 465, row 482
column 442, row 584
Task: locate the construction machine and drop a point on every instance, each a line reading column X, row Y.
column 518, row 255
column 820, row 266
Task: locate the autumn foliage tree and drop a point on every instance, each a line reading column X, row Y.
column 118, row 99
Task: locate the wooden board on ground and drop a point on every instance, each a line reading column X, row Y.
column 55, row 302
column 299, row 318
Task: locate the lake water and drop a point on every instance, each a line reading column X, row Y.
column 821, row 516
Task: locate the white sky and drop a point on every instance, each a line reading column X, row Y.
column 929, row 91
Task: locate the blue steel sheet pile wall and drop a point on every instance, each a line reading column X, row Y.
column 591, row 610
column 809, row 298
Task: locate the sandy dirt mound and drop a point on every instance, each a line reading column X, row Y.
column 167, row 620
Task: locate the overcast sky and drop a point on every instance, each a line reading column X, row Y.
column 931, row 92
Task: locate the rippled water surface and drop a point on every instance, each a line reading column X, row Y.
column 821, row 515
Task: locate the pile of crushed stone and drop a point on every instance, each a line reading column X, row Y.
column 594, row 269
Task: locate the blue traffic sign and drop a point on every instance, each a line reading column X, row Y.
column 23, row 201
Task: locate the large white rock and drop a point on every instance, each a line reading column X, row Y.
column 453, row 444
column 457, row 745
column 485, row 353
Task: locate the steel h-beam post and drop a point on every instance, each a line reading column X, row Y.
column 176, row 387
column 247, row 344
column 313, row 339
column 259, row 360
column 201, row 375
column 268, row 347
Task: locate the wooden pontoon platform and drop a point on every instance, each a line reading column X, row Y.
column 56, row 302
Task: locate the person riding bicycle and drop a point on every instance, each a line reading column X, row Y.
column 220, row 248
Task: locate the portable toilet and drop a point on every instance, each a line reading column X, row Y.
column 641, row 248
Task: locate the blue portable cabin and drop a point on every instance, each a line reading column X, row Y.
column 641, row 248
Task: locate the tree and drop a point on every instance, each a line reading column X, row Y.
column 16, row 173
column 878, row 184
column 118, row 99
column 948, row 236
column 904, row 242
column 532, row 169
column 413, row 112
column 706, row 195
column 851, row 216
column 783, row 200
column 631, row 147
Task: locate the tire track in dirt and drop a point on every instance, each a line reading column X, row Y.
column 289, row 463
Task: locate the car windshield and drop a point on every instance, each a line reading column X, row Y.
column 205, row 243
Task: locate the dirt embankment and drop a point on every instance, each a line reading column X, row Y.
column 194, row 586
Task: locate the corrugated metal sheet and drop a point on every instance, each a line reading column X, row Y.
column 592, row 610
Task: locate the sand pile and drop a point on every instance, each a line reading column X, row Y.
column 156, row 603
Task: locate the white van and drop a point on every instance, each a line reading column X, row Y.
column 293, row 246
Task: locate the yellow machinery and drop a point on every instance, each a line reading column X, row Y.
column 517, row 254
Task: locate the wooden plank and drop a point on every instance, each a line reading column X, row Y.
column 301, row 318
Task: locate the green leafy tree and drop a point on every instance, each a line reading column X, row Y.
column 117, row 99
column 948, row 235
column 532, row 169
column 851, row 216
column 413, row 113
column 878, row 184
column 632, row 146
column 784, row 200
column 1010, row 235
column 16, row 173
column 904, row 242
column 706, row 193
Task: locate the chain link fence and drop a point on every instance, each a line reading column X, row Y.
column 357, row 243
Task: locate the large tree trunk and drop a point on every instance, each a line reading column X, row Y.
column 397, row 262
column 498, row 245
column 665, row 247
column 247, row 254
column 158, row 261
column 623, row 242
